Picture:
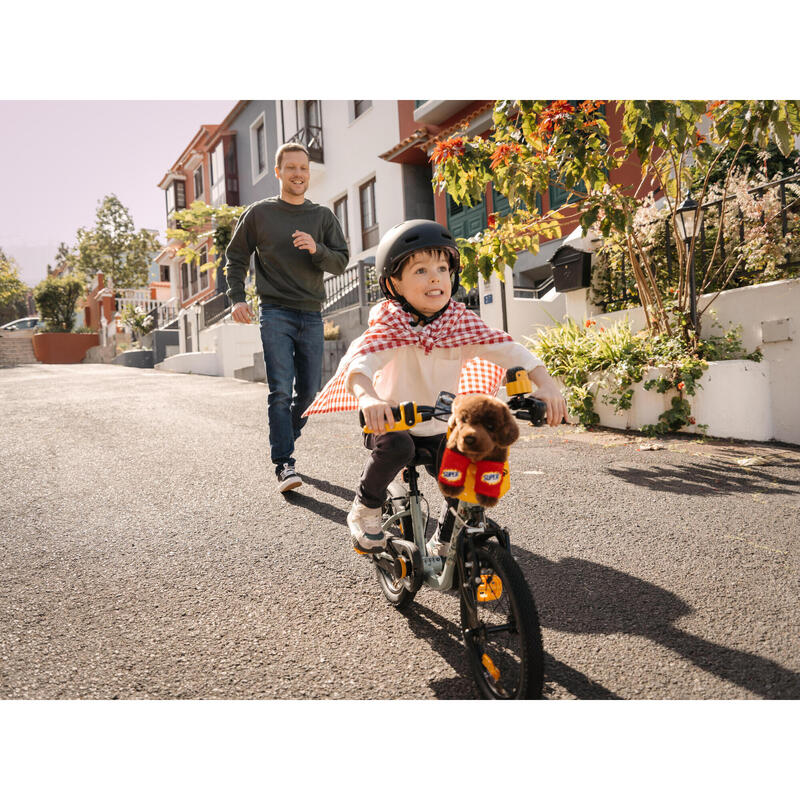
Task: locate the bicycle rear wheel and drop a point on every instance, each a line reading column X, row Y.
column 505, row 649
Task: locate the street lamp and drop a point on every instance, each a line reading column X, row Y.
column 688, row 218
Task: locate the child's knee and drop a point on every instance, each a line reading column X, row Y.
column 396, row 447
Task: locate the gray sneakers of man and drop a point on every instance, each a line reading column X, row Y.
column 288, row 479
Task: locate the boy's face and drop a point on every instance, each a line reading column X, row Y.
column 425, row 282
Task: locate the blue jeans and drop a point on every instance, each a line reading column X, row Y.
column 293, row 346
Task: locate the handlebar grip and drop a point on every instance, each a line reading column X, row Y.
column 406, row 415
column 517, row 381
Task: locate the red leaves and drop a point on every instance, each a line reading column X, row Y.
column 492, row 220
column 681, row 386
column 503, row 152
column 449, row 148
column 553, row 116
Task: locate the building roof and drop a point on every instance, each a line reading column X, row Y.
column 423, row 137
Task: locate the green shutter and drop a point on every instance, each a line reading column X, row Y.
column 464, row 221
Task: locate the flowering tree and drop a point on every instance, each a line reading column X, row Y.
column 535, row 144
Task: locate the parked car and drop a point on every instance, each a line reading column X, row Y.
column 24, row 324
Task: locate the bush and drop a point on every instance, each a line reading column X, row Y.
column 576, row 353
column 55, row 298
column 331, row 331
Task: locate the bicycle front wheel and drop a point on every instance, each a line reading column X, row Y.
column 505, row 649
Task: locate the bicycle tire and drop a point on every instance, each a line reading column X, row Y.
column 395, row 592
column 515, row 654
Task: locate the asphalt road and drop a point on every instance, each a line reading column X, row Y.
column 145, row 553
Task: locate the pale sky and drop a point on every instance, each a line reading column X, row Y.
column 58, row 159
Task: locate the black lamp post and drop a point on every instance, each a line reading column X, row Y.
column 689, row 217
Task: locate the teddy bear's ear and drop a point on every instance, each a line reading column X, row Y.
column 509, row 430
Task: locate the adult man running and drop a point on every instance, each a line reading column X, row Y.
column 295, row 241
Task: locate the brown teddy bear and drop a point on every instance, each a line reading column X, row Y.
column 479, row 432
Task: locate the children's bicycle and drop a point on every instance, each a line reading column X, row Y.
column 499, row 620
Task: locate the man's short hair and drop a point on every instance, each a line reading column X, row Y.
column 290, row 147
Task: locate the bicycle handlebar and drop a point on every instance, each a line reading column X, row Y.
column 518, row 386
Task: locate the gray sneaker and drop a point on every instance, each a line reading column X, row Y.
column 288, row 479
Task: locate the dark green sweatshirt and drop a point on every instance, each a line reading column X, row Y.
column 285, row 276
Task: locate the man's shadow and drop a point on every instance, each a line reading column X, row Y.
column 578, row 596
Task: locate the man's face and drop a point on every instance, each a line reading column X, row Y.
column 293, row 173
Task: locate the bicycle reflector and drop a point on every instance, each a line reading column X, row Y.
column 490, row 667
column 517, row 381
column 491, row 587
column 406, row 416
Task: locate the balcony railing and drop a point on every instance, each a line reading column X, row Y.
column 311, row 137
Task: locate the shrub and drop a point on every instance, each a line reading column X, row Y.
column 577, row 353
column 55, row 298
column 331, row 331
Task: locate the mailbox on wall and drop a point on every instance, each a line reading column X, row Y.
column 572, row 269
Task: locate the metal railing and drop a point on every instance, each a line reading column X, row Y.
column 356, row 286
column 620, row 280
column 311, row 137
column 534, row 292
column 213, row 310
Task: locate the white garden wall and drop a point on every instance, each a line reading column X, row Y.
column 524, row 316
column 766, row 312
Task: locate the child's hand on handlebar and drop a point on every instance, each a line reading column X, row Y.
column 377, row 413
column 548, row 392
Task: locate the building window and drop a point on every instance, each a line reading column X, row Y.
column 176, row 200
column 258, row 148
column 200, row 264
column 165, row 273
column 360, row 106
column 340, row 209
column 198, row 183
column 369, row 218
column 217, row 176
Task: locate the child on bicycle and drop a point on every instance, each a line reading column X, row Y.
column 418, row 343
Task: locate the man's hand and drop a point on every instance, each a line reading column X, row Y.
column 304, row 241
column 547, row 390
column 377, row 413
column 242, row 313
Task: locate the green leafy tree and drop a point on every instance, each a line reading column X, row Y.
column 55, row 298
column 537, row 143
column 114, row 247
column 12, row 288
column 196, row 223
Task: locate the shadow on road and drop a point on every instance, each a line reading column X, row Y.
column 325, row 510
column 330, row 488
column 582, row 597
column 706, row 479
column 445, row 638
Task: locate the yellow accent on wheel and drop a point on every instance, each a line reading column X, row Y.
column 403, row 567
column 490, row 667
column 490, row 589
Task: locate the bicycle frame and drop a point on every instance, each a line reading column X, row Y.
column 436, row 574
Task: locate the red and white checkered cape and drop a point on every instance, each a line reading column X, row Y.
column 390, row 327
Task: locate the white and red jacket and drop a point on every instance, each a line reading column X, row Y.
column 458, row 352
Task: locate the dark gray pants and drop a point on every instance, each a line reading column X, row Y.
column 390, row 453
